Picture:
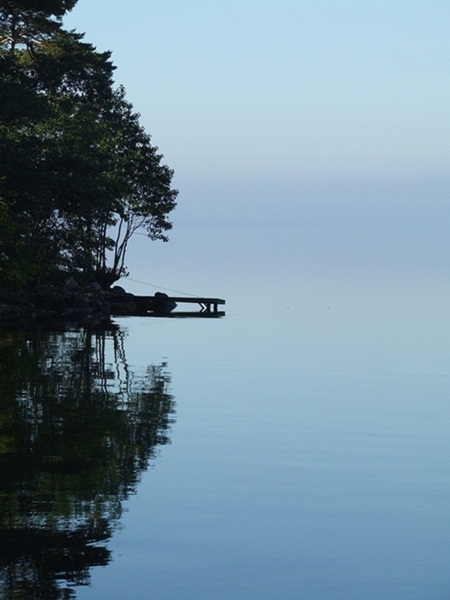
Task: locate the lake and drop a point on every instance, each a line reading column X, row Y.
column 298, row 447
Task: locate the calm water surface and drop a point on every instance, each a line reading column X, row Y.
column 297, row 448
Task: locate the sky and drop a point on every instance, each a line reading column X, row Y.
column 324, row 122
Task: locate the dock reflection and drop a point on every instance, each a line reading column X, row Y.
column 78, row 427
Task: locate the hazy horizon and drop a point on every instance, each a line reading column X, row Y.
column 302, row 134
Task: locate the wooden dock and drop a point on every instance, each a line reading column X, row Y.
column 207, row 305
column 162, row 305
column 188, row 314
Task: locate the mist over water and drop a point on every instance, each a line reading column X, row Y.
column 281, row 233
column 308, row 455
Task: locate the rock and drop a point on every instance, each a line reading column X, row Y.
column 95, row 287
column 162, row 305
column 71, row 284
column 118, row 291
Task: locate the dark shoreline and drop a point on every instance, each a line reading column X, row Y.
column 67, row 302
column 71, row 303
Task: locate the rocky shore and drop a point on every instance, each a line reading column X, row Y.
column 71, row 301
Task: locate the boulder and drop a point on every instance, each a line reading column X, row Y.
column 162, row 304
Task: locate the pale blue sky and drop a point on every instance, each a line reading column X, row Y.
column 289, row 87
column 326, row 121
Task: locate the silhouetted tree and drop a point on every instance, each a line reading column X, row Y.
column 74, row 160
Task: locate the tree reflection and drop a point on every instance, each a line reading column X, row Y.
column 77, row 428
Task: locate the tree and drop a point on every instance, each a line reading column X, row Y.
column 74, row 159
column 147, row 197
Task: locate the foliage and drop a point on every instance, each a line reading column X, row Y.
column 75, row 163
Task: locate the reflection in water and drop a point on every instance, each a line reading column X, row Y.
column 77, row 428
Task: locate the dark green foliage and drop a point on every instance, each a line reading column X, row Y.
column 74, row 159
